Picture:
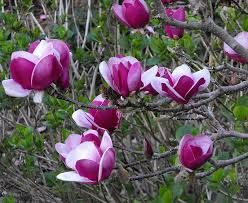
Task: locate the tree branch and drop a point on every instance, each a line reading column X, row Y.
column 223, row 163
column 205, row 26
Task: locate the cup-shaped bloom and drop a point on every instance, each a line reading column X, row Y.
column 91, row 161
column 98, row 119
column 176, row 14
column 35, row 70
column 64, row 56
column 195, row 151
column 181, row 84
column 132, row 13
column 241, row 38
column 123, row 74
column 148, row 76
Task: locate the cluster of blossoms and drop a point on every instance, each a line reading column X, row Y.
column 125, row 76
column 91, row 156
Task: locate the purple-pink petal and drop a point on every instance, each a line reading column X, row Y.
column 73, row 140
column 64, row 80
column 107, row 163
column 63, row 51
column 90, row 137
column 73, row 176
column 118, row 12
column 46, row 71
column 33, row 45
column 183, row 85
column 88, row 169
column 21, row 71
column 86, row 150
column 106, row 142
column 194, row 89
column 241, row 38
column 14, row 89
column 134, row 77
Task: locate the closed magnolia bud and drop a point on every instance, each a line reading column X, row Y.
column 241, row 38
column 195, row 151
column 132, row 13
column 176, row 14
column 148, row 151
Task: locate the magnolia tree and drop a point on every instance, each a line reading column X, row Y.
column 184, row 91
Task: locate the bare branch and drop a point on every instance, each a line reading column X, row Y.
column 157, row 173
column 205, row 26
column 223, row 163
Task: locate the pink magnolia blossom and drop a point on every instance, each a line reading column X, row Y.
column 64, row 55
column 35, row 70
column 132, row 13
column 176, row 14
column 195, row 151
column 180, row 85
column 123, row 74
column 241, row 38
column 98, row 119
column 91, row 161
column 148, row 76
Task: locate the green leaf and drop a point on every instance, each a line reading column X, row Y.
column 8, row 199
column 185, row 129
column 241, row 112
column 177, row 190
column 245, row 24
column 167, row 196
column 218, row 175
column 153, row 61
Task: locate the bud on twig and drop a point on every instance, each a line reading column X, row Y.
column 148, row 151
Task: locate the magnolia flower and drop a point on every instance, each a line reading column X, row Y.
column 132, row 13
column 176, row 14
column 147, row 77
column 91, row 161
column 64, row 55
column 180, row 85
column 123, row 74
column 34, row 71
column 195, row 151
column 98, row 119
column 241, row 38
